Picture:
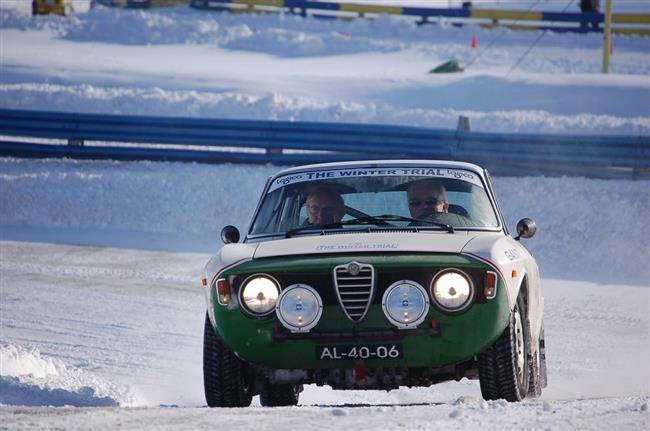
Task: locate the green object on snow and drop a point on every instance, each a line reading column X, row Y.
column 452, row 66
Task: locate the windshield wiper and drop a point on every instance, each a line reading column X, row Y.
column 393, row 217
column 380, row 220
column 321, row 227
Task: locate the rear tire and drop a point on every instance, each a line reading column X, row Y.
column 504, row 370
column 276, row 395
column 225, row 378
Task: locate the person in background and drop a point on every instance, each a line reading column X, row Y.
column 590, row 5
column 324, row 206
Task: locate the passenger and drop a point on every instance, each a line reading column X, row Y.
column 324, row 206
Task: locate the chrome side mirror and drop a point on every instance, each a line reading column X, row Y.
column 229, row 234
column 526, row 228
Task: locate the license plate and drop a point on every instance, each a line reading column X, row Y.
column 382, row 351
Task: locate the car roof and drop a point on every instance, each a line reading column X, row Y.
column 382, row 163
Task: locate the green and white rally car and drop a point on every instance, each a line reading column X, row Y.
column 373, row 275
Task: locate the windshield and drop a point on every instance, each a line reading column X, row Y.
column 336, row 199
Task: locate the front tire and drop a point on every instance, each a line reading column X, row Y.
column 225, row 377
column 538, row 368
column 504, row 370
column 276, row 395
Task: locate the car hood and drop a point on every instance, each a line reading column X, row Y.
column 367, row 242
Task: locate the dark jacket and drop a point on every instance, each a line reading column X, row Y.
column 589, row 5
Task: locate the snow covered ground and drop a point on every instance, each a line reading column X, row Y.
column 102, row 327
column 205, row 64
column 100, row 304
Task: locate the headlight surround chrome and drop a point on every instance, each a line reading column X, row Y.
column 259, row 294
column 452, row 290
column 405, row 304
column 299, row 307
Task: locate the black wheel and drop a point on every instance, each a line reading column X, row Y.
column 542, row 357
column 225, row 378
column 504, row 370
column 276, row 395
column 537, row 369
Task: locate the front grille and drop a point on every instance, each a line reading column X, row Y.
column 355, row 286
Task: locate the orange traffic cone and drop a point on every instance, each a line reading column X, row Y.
column 473, row 41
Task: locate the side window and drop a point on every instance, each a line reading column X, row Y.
column 302, row 213
column 268, row 214
column 291, row 211
column 279, row 212
column 460, row 203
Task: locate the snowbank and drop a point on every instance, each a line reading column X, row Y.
column 279, row 106
column 27, row 378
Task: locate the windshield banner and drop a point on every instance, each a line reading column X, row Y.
column 457, row 174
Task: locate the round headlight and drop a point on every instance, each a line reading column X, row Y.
column 299, row 307
column 259, row 294
column 451, row 289
column 405, row 304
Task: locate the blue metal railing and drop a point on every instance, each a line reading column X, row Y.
column 623, row 23
column 581, row 22
column 97, row 136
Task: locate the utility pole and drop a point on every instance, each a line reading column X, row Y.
column 607, row 44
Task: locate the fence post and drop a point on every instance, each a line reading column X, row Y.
column 463, row 124
column 607, row 44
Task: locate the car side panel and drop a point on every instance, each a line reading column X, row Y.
column 516, row 265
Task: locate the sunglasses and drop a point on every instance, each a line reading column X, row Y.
column 320, row 209
column 426, row 202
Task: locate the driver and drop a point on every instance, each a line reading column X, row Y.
column 427, row 200
column 426, row 197
column 324, row 206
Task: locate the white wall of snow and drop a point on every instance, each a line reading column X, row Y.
column 589, row 229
